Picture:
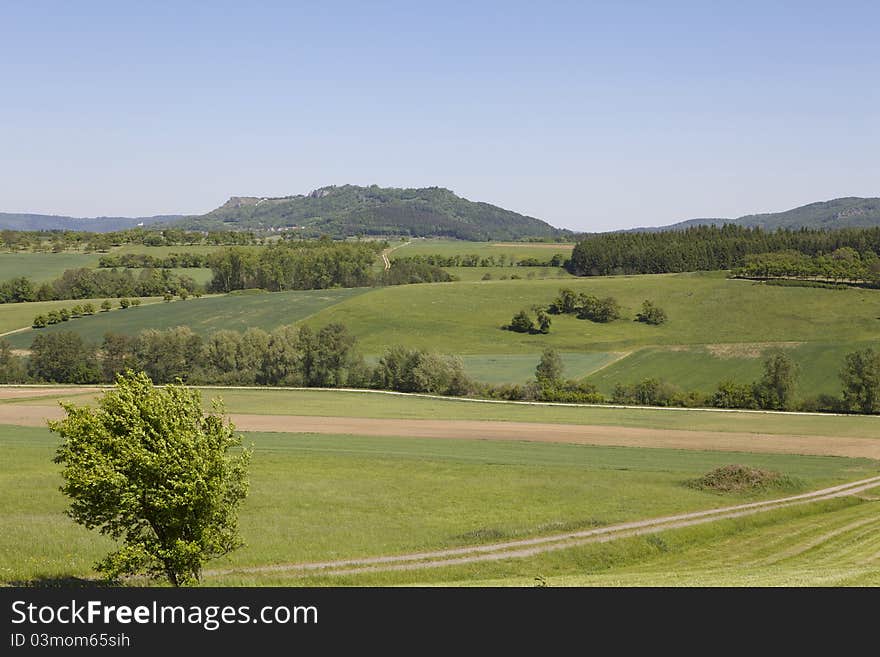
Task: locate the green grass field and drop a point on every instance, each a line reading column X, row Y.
column 210, row 313
column 702, row 368
column 703, row 308
column 14, row 316
column 833, row 543
column 41, row 267
column 518, row 368
column 517, row 250
column 324, row 497
column 504, row 273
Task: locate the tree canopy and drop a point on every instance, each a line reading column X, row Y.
column 151, row 470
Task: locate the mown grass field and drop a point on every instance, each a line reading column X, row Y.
column 517, row 250
column 210, row 313
column 41, row 267
column 517, row 368
column 505, row 273
column 324, row 497
column 832, row 543
column 336, row 403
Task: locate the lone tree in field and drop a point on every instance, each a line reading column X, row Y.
column 549, row 369
column 776, row 389
column 861, row 381
column 151, row 470
column 651, row 314
column 522, row 323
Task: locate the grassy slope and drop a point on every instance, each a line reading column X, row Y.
column 389, row 495
column 234, row 311
column 703, row 309
column 701, row 368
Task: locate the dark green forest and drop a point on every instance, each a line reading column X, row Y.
column 707, row 248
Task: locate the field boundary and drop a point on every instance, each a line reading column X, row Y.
column 700, row 409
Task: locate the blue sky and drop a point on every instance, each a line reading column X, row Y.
column 590, row 115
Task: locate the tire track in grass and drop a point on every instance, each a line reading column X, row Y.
column 533, row 546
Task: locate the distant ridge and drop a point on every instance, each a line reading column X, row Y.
column 24, row 221
column 848, row 212
column 350, row 210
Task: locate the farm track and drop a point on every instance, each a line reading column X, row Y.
column 534, row 546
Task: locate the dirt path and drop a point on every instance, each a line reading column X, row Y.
column 42, row 391
column 385, row 253
column 533, row 546
column 36, row 415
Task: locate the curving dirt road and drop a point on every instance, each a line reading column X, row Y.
column 533, row 546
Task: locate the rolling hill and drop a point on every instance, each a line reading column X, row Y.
column 24, row 221
column 350, row 210
column 850, row 212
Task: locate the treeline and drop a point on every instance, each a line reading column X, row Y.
column 329, row 357
column 313, row 265
column 146, row 261
column 294, row 266
column 57, row 241
column 84, row 283
column 475, row 260
column 844, row 264
column 706, row 248
column 286, row 356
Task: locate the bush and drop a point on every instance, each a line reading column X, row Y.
column 598, row 310
column 522, row 323
column 106, row 305
column 743, row 479
column 39, row 322
column 648, row 392
column 651, row 314
column 124, row 303
column 734, row 395
column 136, row 301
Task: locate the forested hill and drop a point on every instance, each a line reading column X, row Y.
column 351, row 210
column 22, row 221
column 850, row 212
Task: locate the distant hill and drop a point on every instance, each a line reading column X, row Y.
column 351, row 210
column 17, row 221
column 850, row 212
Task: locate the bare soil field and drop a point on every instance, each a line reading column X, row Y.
column 35, row 415
column 24, row 393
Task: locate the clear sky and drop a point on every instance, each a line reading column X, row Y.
column 590, row 115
